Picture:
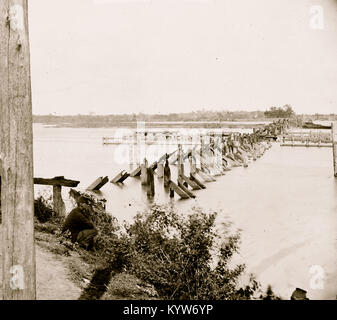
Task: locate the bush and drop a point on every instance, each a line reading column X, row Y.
column 43, row 210
column 176, row 255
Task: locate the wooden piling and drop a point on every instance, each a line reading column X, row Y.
column 160, row 170
column 180, row 160
column 143, row 174
column 150, row 183
column 191, row 159
column 131, row 153
column 16, row 147
column 58, row 204
column 334, row 146
column 167, row 174
column 201, row 152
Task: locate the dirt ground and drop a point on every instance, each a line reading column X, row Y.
column 53, row 279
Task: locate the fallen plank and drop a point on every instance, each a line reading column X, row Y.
column 181, row 185
column 178, row 190
column 196, row 180
column 191, row 183
column 120, row 177
column 136, row 172
column 98, row 183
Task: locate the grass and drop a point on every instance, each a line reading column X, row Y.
column 87, row 270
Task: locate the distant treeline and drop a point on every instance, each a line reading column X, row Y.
column 216, row 116
column 113, row 120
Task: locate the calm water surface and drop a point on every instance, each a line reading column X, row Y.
column 285, row 203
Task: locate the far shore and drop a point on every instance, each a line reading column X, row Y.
column 247, row 124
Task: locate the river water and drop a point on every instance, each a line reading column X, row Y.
column 285, row 203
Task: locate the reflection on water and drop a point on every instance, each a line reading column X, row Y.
column 285, row 203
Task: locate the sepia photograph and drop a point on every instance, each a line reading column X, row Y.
column 168, row 151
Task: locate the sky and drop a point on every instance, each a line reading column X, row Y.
column 163, row 56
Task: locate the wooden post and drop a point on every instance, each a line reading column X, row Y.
column 143, row 175
column 137, row 148
column 180, row 160
column 58, row 204
column 218, row 153
column 167, row 174
column 201, row 151
column 17, row 194
column 150, row 183
column 160, row 170
column 334, row 146
column 131, row 151
column 191, row 158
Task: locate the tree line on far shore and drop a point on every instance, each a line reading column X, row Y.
column 196, row 116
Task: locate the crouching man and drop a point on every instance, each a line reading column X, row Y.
column 80, row 226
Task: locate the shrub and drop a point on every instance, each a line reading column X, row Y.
column 42, row 210
column 176, row 255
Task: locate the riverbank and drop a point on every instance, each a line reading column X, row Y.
column 65, row 272
column 143, row 260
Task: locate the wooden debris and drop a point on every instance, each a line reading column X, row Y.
column 184, row 188
column 98, row 183
column 136, row 172
column 196, row 180
column 178, row 190
column 191, row 183
column 120, row 178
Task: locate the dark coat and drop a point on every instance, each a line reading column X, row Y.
column 76, row 222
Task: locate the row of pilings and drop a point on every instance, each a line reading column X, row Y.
column 206, row 155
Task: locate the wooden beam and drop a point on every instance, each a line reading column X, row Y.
column 178, row 190
column 334, row 146
column 98, row 183
column 16, row 147
column 196, row 180
column 57, row 181
column 184, row 188
column 136, row 172
column 191, row 183
column 120, row 177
